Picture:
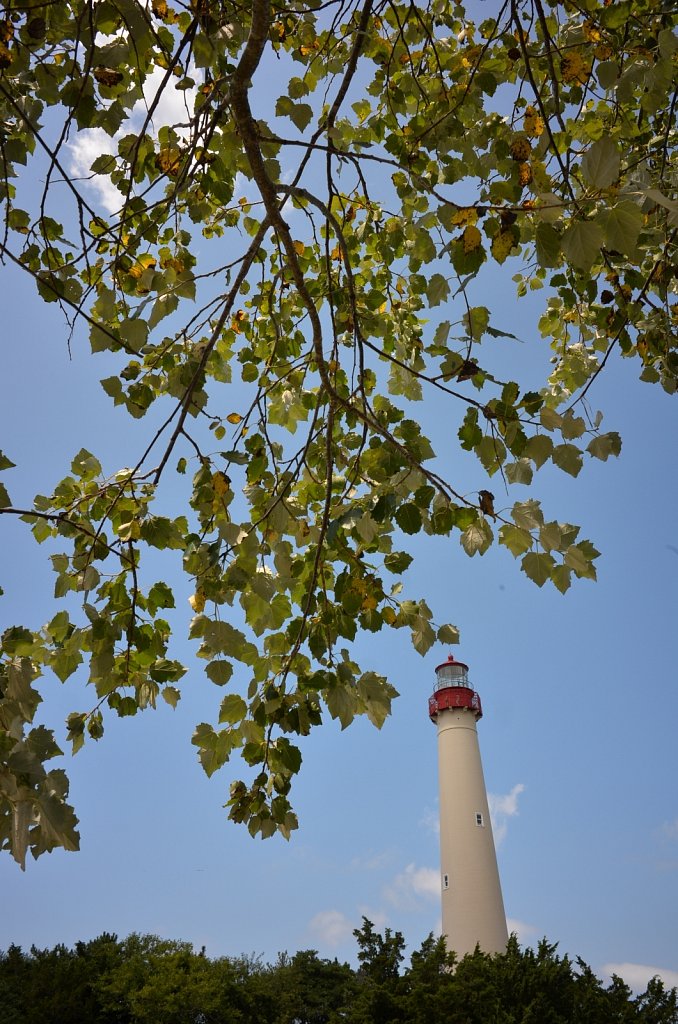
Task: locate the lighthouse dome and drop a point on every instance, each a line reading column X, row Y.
column 452, row 673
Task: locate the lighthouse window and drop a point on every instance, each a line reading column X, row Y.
column 479, row 819
column 446, row 882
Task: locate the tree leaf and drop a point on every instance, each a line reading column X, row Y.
column 601, row 163
column 582, row 243
column 622, row 224
column 517, row 539
column 437, row 290
column 300, row 114
column 538, row 566
column 232, row 710
column 477, row 538
column 448, row 634
column 408, row 518
column 604, row 445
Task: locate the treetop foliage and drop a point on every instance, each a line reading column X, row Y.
column 143, row 979
column 286, row 266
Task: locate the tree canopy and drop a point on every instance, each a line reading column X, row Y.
column 141, row 979
column 291, row 212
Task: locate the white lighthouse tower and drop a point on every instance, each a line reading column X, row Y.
column 473, row 908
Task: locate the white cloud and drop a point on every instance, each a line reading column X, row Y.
column 370, row 861
column 331, row 927
column 501, row 809
column 174, row 107
column 411, row 885
column 524, row 931
column 85, row 148
column 637, row 976
column 431, row 820
column 670, row 829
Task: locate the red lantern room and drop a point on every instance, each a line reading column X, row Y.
column 453, row 690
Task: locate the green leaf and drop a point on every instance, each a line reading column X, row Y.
column 572, row 426
column 171, row 695
column 562, row 578
column 622, row 225
column 477, row 538
column 604, row 445
column 538, row 448
column 300, row 114
column 519, row 472
column 341, row 704
column 527, row 514
column 5, row 501
column 5, row 463
column 601, row 163
column 437, row 290
column 423, row 636
column 608, row 73
column 408, row 518
column 219, row 672
column 538, row 566
column 448, row 634
column 515, row 538
column 579, row 560
column 550, row 537
column 568, row 458
column 85, row 465
column 233, row 709
column 548, row 245
column 397, row 562
column 476, row 321
column 582, row 243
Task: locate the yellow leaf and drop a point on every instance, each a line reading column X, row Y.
column 465, row 215
column 524, row 174
column 197, row 600
column 234, row 417
column 533, row 123
column 369, row 603
column 520, row 149
column 144, row 262
column 471, row 238
column 502, row 245
column 603, row 51
column 239, row 317
column 591, row 32
column 389, row 616
column 220, row 482
column 575, row 68
column 168, row 160
column 336, row 253
column 299, row 248
column 471, row 56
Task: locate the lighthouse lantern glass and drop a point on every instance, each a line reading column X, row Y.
column 452, row 673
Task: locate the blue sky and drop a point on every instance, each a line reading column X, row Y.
column 578, row 737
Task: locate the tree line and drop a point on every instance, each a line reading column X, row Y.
column 144, row 979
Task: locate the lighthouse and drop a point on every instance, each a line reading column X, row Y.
column 472, row 904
